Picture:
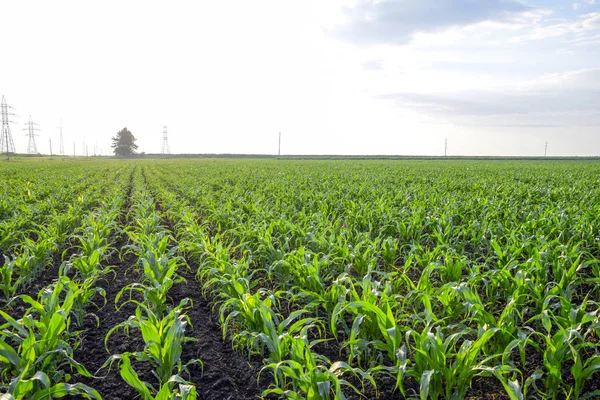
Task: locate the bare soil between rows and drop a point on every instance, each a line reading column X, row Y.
column 225, row 374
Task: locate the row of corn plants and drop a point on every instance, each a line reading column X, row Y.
column 31, row 198
column 33, row 254
column 36, row 350
column 161, row 323
column 433, row 274
column 249, row 316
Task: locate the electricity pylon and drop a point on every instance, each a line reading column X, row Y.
column 7, row 145
column 31, row 128
column 61, row 148
column 165, row 144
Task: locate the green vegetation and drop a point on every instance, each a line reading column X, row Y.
column 417, row 279
column 123, row 143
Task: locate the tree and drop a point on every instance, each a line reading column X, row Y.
column 124, row 143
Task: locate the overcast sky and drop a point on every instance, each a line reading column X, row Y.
column 335, row 77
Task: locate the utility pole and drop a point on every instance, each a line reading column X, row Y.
column 6, row 142
column 279, row 148
column 446, row 148
column 50, row 141
column 546, row 149
column 86, row 152
column 165, row 144
column 61, row 149
column 31, row 128
column 73, row 149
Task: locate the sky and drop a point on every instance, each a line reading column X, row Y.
column 493, row 77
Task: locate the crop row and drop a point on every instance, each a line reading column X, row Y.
column 33, row 236
column 39, row 337
column 161, row 324
column 33, row 198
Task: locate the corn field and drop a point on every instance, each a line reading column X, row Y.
column 292, row 279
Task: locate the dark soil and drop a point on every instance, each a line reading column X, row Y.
column 486, row 388
column 227, row 374
column 92, row 353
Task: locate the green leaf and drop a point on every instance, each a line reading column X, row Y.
column 65, row 389
column 8, row 354
column 425, row 382
column 132, row 378
column 546, row 321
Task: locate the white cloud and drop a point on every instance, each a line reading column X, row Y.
column 583, row 3
column 581, row 80
column 581, row 29
column 567, row 99
column 372, row 22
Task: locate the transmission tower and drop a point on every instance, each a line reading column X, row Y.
column 7, row 145
column 61, row 148
column 165, row 144
column 31, row 128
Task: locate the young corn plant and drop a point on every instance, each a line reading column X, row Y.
column 369, row 290
column 41, row 387
column 306, row 375
column 84, row 294
column 8, row 282
column 568, row 339
column 33, row 259
column 61, row 225
column 388, row 339
column 94, row 247
column 174, row 388
column 44, row 346
column 306, row 274
column 470, row 308
column 159, row 265
column 442, row 364
column 163, row 337
column 390, row 252
column 245, row 314
column 277, row 337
